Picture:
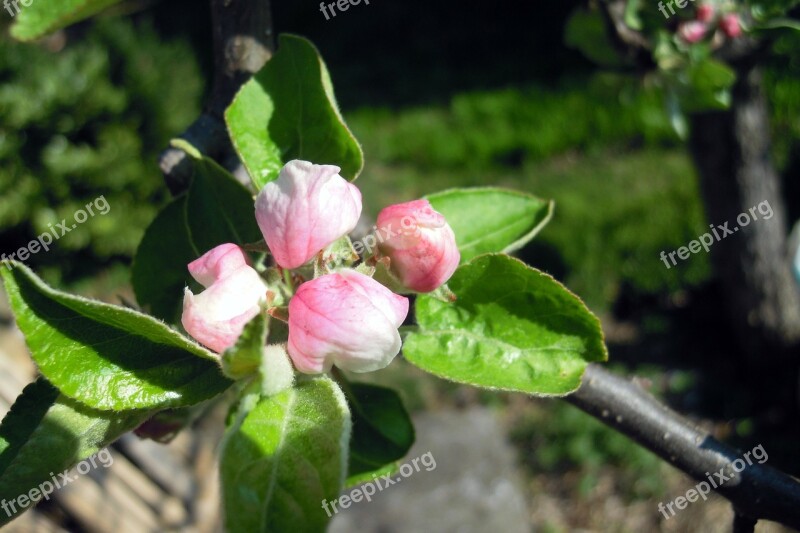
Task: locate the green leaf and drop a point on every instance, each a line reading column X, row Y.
column 44, row 16
column 666, row 52
column 216, row 210
column 711, row 75
column 251, row 355
column 766, row 9
column 487, row 220
column 706, row 85
column 512, row 328
column 219, row 209
column 23, row 418
column 288, row 111
column 45, row 434
column 105, row 356
column 287, row 455
column 586, row 32
column 389, row 469
column 382, row 430
column 159, row 272
column 677, row 118
column 632, row 18
column 781, row 23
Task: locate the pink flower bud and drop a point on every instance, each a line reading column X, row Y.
column 692, row 31
column 218, row 263
column 345, row 319
column 730, row 25
column 307, row 208
column 705, row 12
column 234, row 290
column 420, row 244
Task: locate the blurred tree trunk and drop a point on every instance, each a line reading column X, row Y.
column 731, row 150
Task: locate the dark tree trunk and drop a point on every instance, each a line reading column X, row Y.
column 243, row 42
column 731, row 150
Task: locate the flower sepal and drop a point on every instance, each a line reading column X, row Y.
column 443, row 294
column 243, row 359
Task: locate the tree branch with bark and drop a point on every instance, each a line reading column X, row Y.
column 758, row 492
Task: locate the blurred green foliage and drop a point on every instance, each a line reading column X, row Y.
column 480, row 129
column 604, row 150
column 767, row 8
column 84, row 121
column 782, row 84
column 555, row 437
column 615, row 214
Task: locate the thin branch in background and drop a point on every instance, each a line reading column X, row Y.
column 628, row 42
column 243, row 43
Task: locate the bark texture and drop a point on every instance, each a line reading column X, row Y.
column 731, row 150
column 759, row 491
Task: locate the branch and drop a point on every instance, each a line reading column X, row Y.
column 243, row 43
column 628, row 42
column 757, row 492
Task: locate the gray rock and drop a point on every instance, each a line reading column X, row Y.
column 474, row 486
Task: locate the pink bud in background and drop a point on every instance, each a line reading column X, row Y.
column 730, row 25
column 692, row 31
column 307, row 208
column 345, row 319
column 705, row 12
column 421, row 245
column 234, row 290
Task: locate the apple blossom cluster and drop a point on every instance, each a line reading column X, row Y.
column 707, row 17
column 340, row 316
